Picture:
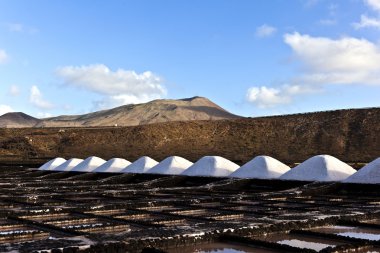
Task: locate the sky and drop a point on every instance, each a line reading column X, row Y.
column 253, row 58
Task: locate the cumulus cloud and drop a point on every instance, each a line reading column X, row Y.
column 366, row 21
column 266, row 97
column 369, row 22
column 44, row 115
column 14, row 90
column 118, row 87
column 3, row 56
column 36, row 99
column 265, row 31
column 346, row 60
column 323, row 61
column 373, row 4
column 5, row 109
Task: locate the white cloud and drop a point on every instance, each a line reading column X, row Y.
column 14, row 90
column 36, row 98
column 5, row 109
column 323, row 61
column 373, row 4
column 44, row 115
column 266, row 97
column 3, row 56
column 342, row 61
column 265, row 31
column 119, row 87
column 366, row 21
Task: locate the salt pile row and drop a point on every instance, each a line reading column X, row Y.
column 318, row 168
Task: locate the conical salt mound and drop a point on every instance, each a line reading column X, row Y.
column 320, row 168
column 114, row 165
column 52, row 164
column 212, row 166
column 173, row 165
column 88, row 165
column 369, row 174
column 141, row 165
column 262, row 167
column 69, row 164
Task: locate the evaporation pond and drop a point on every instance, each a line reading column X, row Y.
column 351, row 232
column 301, row 241
column 220, row 248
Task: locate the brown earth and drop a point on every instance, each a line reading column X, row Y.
column 162, row 110
column 18, row 119
column 350, row 135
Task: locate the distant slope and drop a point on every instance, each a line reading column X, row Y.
column 17, row 120
column 196, row 108
column 350, row 135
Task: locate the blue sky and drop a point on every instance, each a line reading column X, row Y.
column 253, row 58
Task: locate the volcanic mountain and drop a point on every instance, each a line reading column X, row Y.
column 196, row 108
column 163, row 110
column 17, row 120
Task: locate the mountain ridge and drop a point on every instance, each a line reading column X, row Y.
column 17, row 119
column 161, row 110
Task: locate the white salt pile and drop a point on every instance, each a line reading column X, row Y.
column 213, row 166
column 262, row 167
column 141, row 165
column 52, row 164
column 173, row 165
column 320, row 168
column 69, row 164
column 114, row 165
column 88, row 165
column 369, row 174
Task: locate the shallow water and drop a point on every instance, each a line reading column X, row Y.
column 301, row 241
column 220, row 248
column 352, row 232
column 304, row 244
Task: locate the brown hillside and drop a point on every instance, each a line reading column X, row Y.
column 17, row 119
column 163, row 110
column 351, row 135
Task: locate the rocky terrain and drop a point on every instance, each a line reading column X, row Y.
column 350, row 135
column 164, row 110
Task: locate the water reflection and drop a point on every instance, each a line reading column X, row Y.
column 220, row 248
column 305, row 245
column 366, row 236
column 353, row 232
